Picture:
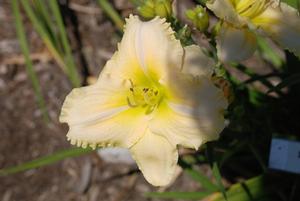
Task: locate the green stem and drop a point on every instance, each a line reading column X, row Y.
column 44, row 35
column 29, row 67
column 46, row 160
column 72, row 72
column 112, row 13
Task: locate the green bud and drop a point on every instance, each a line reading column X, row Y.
column 184, row 35
column 163, row 8
column 146, row 12
column 199, row 17
column 216, row 29
column 151, row 8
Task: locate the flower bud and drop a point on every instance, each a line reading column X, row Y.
column 163, row 8
column 184, row 35
column 151, row 8
column 147, row 9
column 199, row 17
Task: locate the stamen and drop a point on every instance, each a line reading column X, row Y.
column 146, row 97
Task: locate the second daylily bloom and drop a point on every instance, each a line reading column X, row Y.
column 152, row 96
column 242, row 19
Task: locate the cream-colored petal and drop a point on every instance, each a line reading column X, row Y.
column 99, row 115
column 192, row 115
column 123, row 129
column 156, row 158
column 87, row 103
column 281, row 23
column 250, row 8
column 196, row 62
column 235, row 44
column 151, row 46
column 224, row 9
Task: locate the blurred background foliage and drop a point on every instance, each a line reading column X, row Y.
column 264, row 105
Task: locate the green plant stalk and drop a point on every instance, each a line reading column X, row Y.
column 44, row 35
column 268, row 53
column 58, row 156
column 73, row 74
column 252, row 189
column 29, row 67
column 218, row 177
column 42, row 11
column 202, row 179
column 258, row 157
column 112, row 13
column 205, row 182
column 178, row 195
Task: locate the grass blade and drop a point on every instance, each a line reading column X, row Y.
column 29, row 67
column 73, row 74
column 218, row 177
column 252, row 189
column 178, row 195
column 112, row 13
column 197, row 175
column 268, row 52
column 45, row 18
column 42, row 31
column 46, row 36
column 58, row 156
column 202, row 179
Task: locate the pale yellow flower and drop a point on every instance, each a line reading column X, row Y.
column 151, row 96
column 245, row 18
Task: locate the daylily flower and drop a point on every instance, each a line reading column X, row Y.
column 151, row 96
column 242, row 19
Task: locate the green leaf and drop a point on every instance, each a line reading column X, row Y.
column 58, row 156
column 112, row 13
column 74, row 77
column 268, row 52
column 292, row 80
column 252, row 189
column 41, row 25
column 26, row 52
column 202, row 179
column 44, row 34
column 218, row 177
column 45, row 18
column 293, row 3
column 178, row 195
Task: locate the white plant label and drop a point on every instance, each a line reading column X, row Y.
column 285, row 155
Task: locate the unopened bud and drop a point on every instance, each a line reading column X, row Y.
column 184, row 35
column 151, row 8
column 163, row 8
column 147, row 9
column 199, row 17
